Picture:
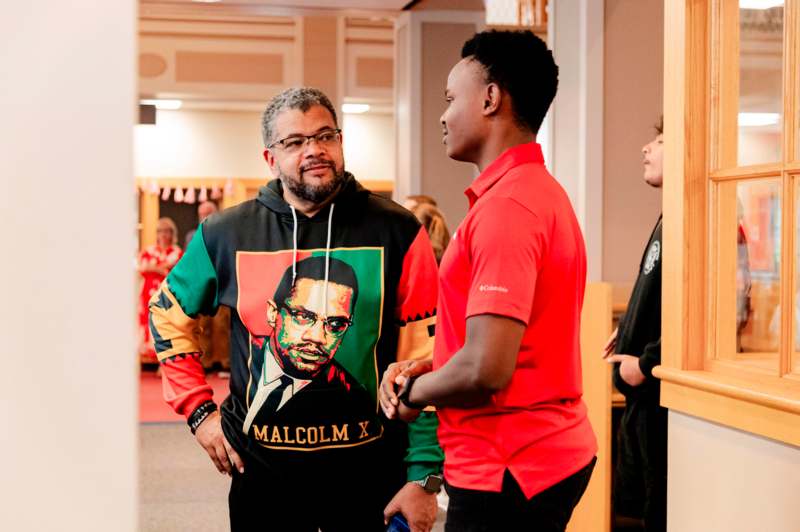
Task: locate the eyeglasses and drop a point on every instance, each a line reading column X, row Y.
column 293, row 143
column 335, row 325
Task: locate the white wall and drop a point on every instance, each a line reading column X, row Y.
column 725, row 479
column 201, row 143
column 68, row 385
column 369, row 146
column 759, row 146
column 205, row 143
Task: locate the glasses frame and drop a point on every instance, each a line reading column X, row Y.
column 292, row 312
column 307, row 138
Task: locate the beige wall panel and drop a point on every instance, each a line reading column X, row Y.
column 285, row 71
column 151, row 65
column 442, row 178
column 359, row 58
column 319, row 55
column 634, row 35
column 725, row 479
column 215, row 67
column 375, row 72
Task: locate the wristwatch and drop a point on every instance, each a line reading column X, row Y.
column 431, row 483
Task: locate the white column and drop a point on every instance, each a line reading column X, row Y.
column 68, row 381
column 576, row 123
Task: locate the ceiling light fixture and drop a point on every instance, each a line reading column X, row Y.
column 355, row 108
column 758, row 119
column 164, row 105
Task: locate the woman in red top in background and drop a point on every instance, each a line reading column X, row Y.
column 154, row 264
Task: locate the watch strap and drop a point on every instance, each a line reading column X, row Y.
column 405, row 395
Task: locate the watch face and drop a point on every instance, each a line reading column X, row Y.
column 433, row 483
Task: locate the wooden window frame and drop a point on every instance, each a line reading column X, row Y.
column 700, row 152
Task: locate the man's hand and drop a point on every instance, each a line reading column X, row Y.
column 417, row 505
column 209, row 435
column 394, row 377
column 610, row 344
column 403, row 412
column 628, row 369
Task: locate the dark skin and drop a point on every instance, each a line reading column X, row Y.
column 470, row 378
column 478, row 126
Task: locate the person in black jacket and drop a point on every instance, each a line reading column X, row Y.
column 640, row 485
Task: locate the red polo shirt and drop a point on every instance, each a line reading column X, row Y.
column 518, row 253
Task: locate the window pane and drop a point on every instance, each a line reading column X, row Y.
column 757, row 257
column 760, row 81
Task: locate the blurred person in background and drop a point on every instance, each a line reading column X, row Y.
column 418, row 199
column 204, row 210
column 640, row 482
column 434, row 223
column 154, row 263
column 213, row 332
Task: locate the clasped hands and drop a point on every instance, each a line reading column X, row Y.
column 393, row 383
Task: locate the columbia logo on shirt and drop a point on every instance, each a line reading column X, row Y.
column 492, row 288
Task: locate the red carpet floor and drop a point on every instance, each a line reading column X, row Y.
column 153, row 409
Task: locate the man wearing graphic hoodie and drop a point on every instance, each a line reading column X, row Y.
column 327, row 285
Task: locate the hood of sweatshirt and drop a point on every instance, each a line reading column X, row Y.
column 271, row 196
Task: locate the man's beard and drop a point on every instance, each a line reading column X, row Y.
column 313, row 193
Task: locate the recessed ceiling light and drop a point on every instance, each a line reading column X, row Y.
column 163, row 105
column 758, row 119
column 355, row 108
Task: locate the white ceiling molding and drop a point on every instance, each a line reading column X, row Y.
column 260, row 8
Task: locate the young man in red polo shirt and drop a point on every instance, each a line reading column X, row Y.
column 506, row 376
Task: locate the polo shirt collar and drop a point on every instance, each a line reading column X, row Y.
column 530, row 152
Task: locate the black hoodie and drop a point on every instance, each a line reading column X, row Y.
column 304, row 377
column 639, row 332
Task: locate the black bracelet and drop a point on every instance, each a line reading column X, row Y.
column 200, row 414
column 405, row 395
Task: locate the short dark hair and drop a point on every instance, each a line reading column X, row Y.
column 519, row 63
column 313, row 268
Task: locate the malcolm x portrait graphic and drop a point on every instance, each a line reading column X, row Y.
column 310, row 313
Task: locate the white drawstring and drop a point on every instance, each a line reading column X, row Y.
column 328, row 257
column 294, row 247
